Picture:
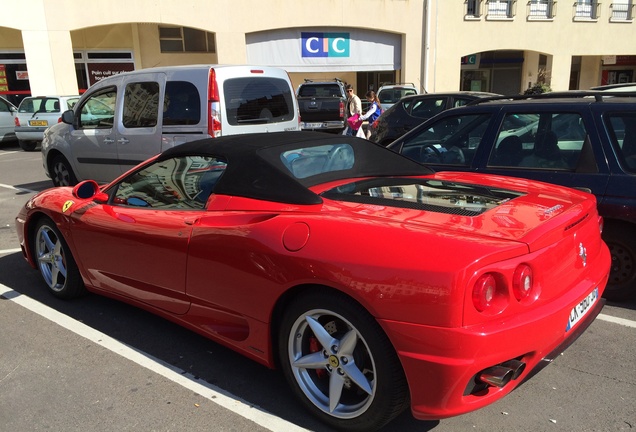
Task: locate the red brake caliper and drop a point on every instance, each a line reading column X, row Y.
column 314, row 346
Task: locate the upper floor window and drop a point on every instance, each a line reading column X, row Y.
column 541, row 9
column 622, row 10
column 586, row 9
column 473, row 8
column 500, row 8
column 185, row 39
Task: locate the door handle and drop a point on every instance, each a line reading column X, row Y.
column 123, row 140
column 108, row 140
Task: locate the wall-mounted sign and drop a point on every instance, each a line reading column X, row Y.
column 22, row 75
column 99, row 71
column 317, row 44
column 4, row 87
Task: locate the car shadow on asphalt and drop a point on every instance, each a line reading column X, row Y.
column 193, row 354
column 27, row 188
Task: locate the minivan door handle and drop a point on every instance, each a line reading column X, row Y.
column 108, row 140
column 123, row 140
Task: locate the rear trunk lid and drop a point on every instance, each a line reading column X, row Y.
column 533, row 213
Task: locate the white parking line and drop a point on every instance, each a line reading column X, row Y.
column 616, row 320
column 178, row 376
column 9, row 251
column 17, row 188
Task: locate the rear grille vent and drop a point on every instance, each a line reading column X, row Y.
column 572, row 225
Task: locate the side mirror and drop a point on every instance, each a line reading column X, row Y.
column 68, row 117
column 89, row 189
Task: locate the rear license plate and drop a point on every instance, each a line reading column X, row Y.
column 312, row 125
column 580, row 310
column 38, row 123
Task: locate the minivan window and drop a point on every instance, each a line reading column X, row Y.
column 539, row 141
column 182, row 104
column 450, row 141
column 622, row 131
column 252, row 101
column 98, row 111
column 141, row 105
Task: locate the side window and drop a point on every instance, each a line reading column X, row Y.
column 183, row 183
column 141, row 105
column 427, row 108
column 4, row 107
column 98, row 111
column 461, row 102
column 539, row 141
column 449, row 141
column 182, row 104
column 622, row 131
column 253, row 101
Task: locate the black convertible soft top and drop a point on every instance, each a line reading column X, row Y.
column 256, row 170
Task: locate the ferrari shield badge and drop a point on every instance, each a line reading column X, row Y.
column 67, row 205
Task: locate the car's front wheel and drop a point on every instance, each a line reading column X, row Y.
column 61, row 172
column 55, row 262
column 340, row 363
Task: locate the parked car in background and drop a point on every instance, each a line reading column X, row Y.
column 623, row 87
column 585, row 140
column 124, row 119
column 410, row 111
column 268, row 244
column 389, row 94
column 7, row 120
column 322, row 105
column 35, row 114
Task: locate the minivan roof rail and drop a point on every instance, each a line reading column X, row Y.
column 599, row 96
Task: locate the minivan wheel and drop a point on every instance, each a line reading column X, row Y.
column 28, row 145
column 61, row 172
column 621, row 240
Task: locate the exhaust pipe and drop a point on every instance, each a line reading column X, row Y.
column 500, row 375
column 517, row 367
column 497, row 376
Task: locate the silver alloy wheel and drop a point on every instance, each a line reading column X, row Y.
column 50, row 255
column 61, row 173
column 332, row 364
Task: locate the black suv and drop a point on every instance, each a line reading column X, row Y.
column 410, row 111
column 585, row 140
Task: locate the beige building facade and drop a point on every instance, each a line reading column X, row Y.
column 64, row 46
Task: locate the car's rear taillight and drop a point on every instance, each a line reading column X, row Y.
column 484, row 292
column 342, row 107
column 214, row 106
column 59, row 119
column 522, row 282
column 16, row 121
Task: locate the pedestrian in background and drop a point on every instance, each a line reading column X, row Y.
column 353, row 107
column 374, row 111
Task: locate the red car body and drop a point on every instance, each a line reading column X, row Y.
column 231, row 269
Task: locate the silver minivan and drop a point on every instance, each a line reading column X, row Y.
column 124, row 119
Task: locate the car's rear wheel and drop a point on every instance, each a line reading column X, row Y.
column 340, row 363
column 621, row 240
column 55, row 262
column 28, row 145
column 61, row 172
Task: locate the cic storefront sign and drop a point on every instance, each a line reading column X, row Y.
column 316, row 44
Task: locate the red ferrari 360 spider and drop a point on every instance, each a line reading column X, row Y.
column 372, row 282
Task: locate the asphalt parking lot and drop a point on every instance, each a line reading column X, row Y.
column 99, row 365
